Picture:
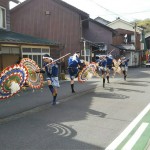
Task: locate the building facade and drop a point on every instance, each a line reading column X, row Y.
column 14, row 46
column 128, row 40
column 63, row 23
column 97, row 38
column 50, row 19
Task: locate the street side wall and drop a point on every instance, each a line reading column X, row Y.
column 8, row 60
column 119, row 38
column 5, row 4
column 61, row 24
column 97, row 33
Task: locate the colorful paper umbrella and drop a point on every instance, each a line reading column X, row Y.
column 87, row 72
column 35, row 80
column 12, row 79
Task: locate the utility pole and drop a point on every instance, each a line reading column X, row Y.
column 84, row 50
column 135, row 25
column 135, row 45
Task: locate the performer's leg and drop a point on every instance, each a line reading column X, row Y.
column 107, row 78
column 114, row 72
column 103, row 82
column 125, row 76
column 103, row 76
column 50, row 86
column 124, row 73
column 72, row 73
column 54, row 96
column 53, row 91
column 72, row 85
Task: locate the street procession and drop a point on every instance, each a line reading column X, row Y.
column 74, row 75
column 103, row 53
column 27, row 72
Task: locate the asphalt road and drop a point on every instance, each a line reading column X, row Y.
column 90, row 119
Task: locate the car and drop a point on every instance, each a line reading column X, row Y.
column 147, row 64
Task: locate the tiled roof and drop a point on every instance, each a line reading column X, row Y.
column 17, row 38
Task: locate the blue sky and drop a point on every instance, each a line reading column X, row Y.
column 128, row 10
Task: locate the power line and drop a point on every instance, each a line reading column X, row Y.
column 104, row 8
column 112, row 13
column 129, row 13
column 146, row 11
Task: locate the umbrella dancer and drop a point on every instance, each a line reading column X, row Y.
column 109, row 59
column 51, row 69
column 73, row 63
column 124, row 65
column 102, row 66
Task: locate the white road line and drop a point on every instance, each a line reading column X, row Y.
column 135, row 137
column 130, row 127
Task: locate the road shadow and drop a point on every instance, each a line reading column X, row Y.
column 111, row 89
column 31, row 134
column 106, row 95
column 132, row 83
column 56, row 127
column 141, row 81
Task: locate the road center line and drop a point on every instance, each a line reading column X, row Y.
column 135, row 137
column 129, row 128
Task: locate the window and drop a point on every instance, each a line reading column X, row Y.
column 36, row 50
column 85, row 52
column 2, row 17
column 130, row 38
column 26, row 50
column 142, row 46
column 44, row 50
column 35, row 53
column 10, row 50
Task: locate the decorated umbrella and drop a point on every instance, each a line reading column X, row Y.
column 12, row 79
column 35, row 80
column 87, row 72
column 116, row 68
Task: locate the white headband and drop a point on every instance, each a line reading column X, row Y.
column 48, row 58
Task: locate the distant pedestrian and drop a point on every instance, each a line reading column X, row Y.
column 51, row 69
column 73, row 68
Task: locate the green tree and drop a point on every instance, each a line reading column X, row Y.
column 145, row 24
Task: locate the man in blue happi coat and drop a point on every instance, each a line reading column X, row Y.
column 124, row 65
column 51, row 69
column 109, row 66
column 102, row 66
column 74, row 63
